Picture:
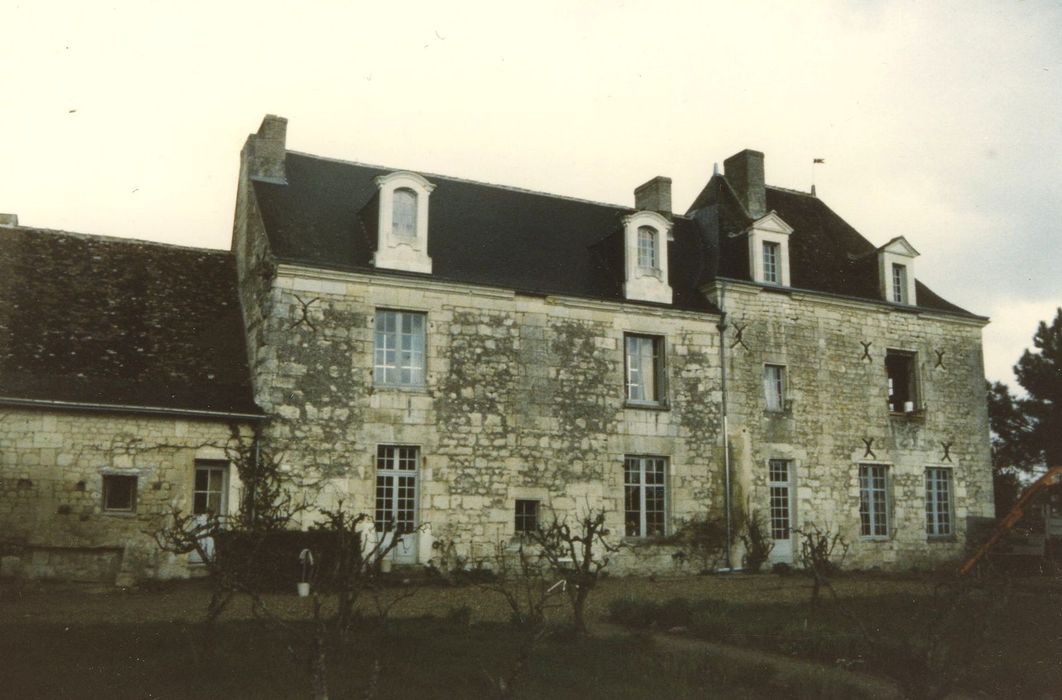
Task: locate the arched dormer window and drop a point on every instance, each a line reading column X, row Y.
column 404, row 221
column 402, row 237
column 647, row 242
column 645, row 257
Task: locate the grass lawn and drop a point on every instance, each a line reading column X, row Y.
column 66, row 642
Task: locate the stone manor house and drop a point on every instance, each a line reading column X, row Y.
column 470, row 359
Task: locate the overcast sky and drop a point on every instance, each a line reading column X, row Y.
column 941, row 122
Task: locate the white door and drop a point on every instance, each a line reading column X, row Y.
column 396, row 500
column 780, row 483
column 209, row 493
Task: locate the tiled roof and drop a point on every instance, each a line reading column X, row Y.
column 478, row 233
column 825, row 253
column 94, row 320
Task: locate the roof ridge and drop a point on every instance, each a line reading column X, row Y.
column 792, row 191
column 510, row 188
column 115, row 239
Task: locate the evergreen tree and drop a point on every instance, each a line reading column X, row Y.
column 1040, row 373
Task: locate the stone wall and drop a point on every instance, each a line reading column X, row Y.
column 52, row 464
column 524, row 399
column 834, row 353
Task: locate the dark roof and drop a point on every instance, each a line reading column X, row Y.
column 825, row 253
column 480, row 234
column 93, row 320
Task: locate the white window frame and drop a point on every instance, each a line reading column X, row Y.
column 395, row 251
column 774, row 489
column 389, row 374
column 646, row 283
column 392, row 464
column 634, row 366
column 769, row 229
column 899, row 283
column 639, row 497
column 522, row 518
column 647, row 247
column 940, row 508
column 772, row 253
column 209, row 467
column 874, row 478
column 400, row 212
column 774, row 387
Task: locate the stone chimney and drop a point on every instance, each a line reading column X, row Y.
column 265, row 150
column 744, row 172
column 9, row 220
column 654, row 195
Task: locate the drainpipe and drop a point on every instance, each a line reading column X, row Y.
column 726, row 430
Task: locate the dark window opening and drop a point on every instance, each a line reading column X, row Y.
column 119, row 493
column 903, row 389
column 526, row 516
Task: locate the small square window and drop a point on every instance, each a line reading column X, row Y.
column 119, row 493
column 774, row 387
column 526, row 516
column 645, row 369
column 902, row 382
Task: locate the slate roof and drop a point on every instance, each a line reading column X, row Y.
column 94, row 320
column 478, row 233
column 825, row 253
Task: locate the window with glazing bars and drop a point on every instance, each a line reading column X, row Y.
column 526, row 515
column 873, row 500
column 779, row 485
column 404, row 213
column 396, row 488
column 647, row 247
column 899, row 283
column 645, row 368
column 774, row 387
column 208, row 494
column 938, row 501
column 399, row 352
column 771, row 253
column 645, row 496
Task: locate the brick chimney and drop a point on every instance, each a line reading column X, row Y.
column 654, row 195
column 744, row 172
column 265, row 150
column 9, row 220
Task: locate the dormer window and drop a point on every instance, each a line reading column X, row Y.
column 404, row 222
column 402, row 236
column 769, row 250
column 645, row 236
column 899, row 283
column 896, row 271
column 771, row 255
column 647, row 247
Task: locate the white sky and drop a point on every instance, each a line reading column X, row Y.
column 938, row 121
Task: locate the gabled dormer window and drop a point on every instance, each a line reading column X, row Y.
column 896, row 271
column 647, row 256
column 769, row 250
column 645, row 235
column 402, row 236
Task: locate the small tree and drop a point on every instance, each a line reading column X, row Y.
column 703, row 540
column 818, row 548
column 577, row 556
column 756, row 536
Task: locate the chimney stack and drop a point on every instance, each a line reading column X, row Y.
column 9, row 220
column 265, row 150
column 744, row 172
column 654, row 195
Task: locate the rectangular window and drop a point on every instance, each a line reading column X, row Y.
column 396, row 488
column 771, row 254
column 526, row 516
column 938, row 502
column 209, row 491
column 645, row 368
column 873, row 500
column 779, row 485
column 400, row 342
column 899, row 283
column 903, row 387
column 645, row 497
column 774, row 387
column 119, row 493
column 647, row 247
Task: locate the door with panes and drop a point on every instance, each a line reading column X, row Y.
column 397, row 469
column 781, row 484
